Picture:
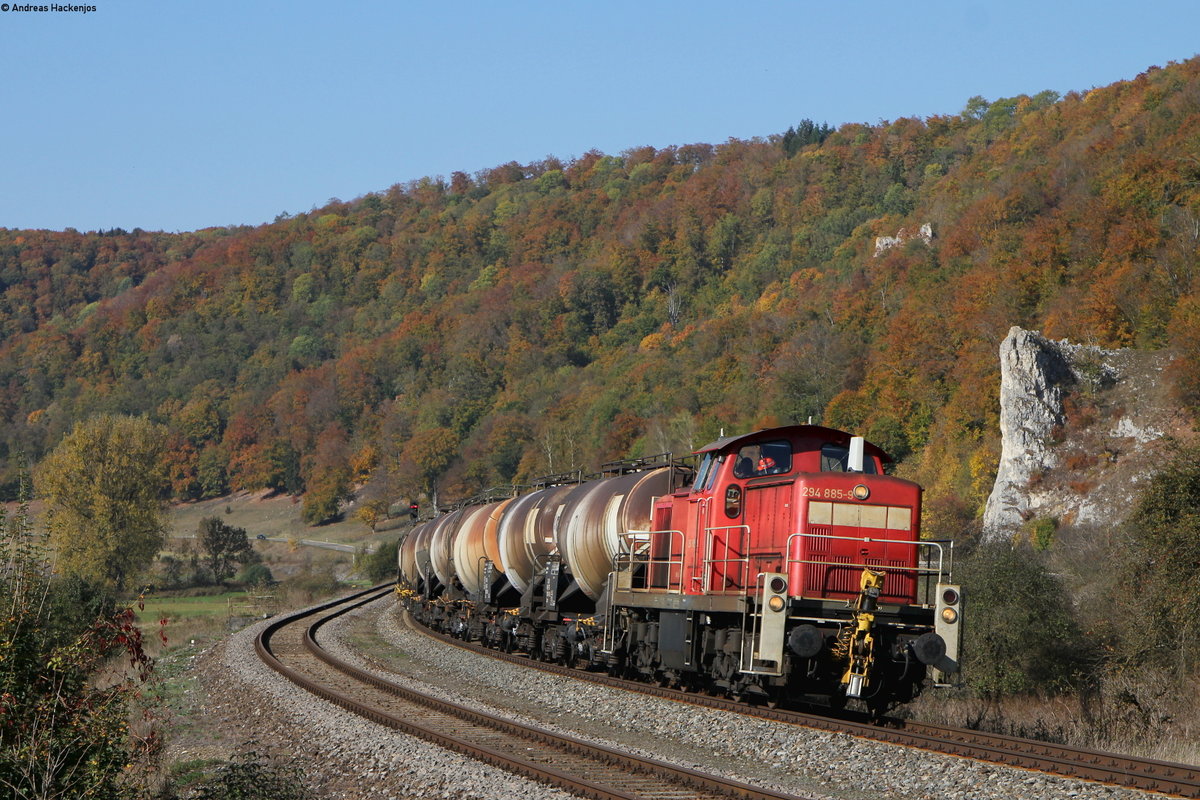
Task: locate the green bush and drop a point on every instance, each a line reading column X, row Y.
column 63, row 730
column 380, row 565
column 1020, row 635
column 255, row 575
column 1160, row 548
column 1041, row 532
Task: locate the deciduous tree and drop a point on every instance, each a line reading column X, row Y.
column 225, row 544
column 431, row 451
column 104, row 487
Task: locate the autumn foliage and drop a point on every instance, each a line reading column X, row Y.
column 555, row 314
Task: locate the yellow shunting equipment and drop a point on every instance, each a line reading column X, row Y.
column 855, row 642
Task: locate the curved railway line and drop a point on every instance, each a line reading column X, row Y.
column 1135, row 773
column 291, row 647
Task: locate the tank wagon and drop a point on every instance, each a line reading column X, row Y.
column 784, row 565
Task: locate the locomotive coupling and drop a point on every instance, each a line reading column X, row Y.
column 855, row 642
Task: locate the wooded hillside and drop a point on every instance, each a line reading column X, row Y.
column 529, row 319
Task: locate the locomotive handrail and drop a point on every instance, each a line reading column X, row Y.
column 629, row 556
column 624, row 465
column 710, row 559
column 917, row 571
column 752, row 616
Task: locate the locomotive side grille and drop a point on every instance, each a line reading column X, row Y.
column 818, row 541
column 899, row 579
column 820, row 578
column 841, row 579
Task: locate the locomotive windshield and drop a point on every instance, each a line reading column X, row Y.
column 764, row 458
column 706, row 473
column 836, row 458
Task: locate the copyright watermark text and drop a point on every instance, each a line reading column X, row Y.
column 49, row 8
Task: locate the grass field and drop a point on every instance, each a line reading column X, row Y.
column 261, row 513
column 192, row 621
column 180, row 608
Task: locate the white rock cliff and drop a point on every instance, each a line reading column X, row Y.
column 1082, row 471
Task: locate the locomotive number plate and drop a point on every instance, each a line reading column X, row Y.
column 827, row 493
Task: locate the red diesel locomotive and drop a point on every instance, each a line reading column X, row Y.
column 786, row 565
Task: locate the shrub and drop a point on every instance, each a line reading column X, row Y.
column 1079, row 461
column 1041, row 532
column 1160, row 551
column 256, row 575
column 63, row 731
column 381, row 564
column 1020, row 635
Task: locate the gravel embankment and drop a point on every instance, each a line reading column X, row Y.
column 343, row 756
column 349, row 757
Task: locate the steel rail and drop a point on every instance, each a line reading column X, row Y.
column 1150, row 775
column 669, row 780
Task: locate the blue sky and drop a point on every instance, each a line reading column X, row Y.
column 177, row 115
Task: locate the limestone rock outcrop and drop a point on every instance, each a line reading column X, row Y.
column 885, row 243
column 1084, row 470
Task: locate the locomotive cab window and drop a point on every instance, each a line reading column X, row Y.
column 836, row 458
column 765, row 458
column 706, row 473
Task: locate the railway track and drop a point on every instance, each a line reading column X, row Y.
column 1145, row 774
column 291, row 647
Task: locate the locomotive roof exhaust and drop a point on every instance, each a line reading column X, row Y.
column 856, row 454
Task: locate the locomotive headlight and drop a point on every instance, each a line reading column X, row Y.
column 775, row 603
column 949, row 616
column 861, row 492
